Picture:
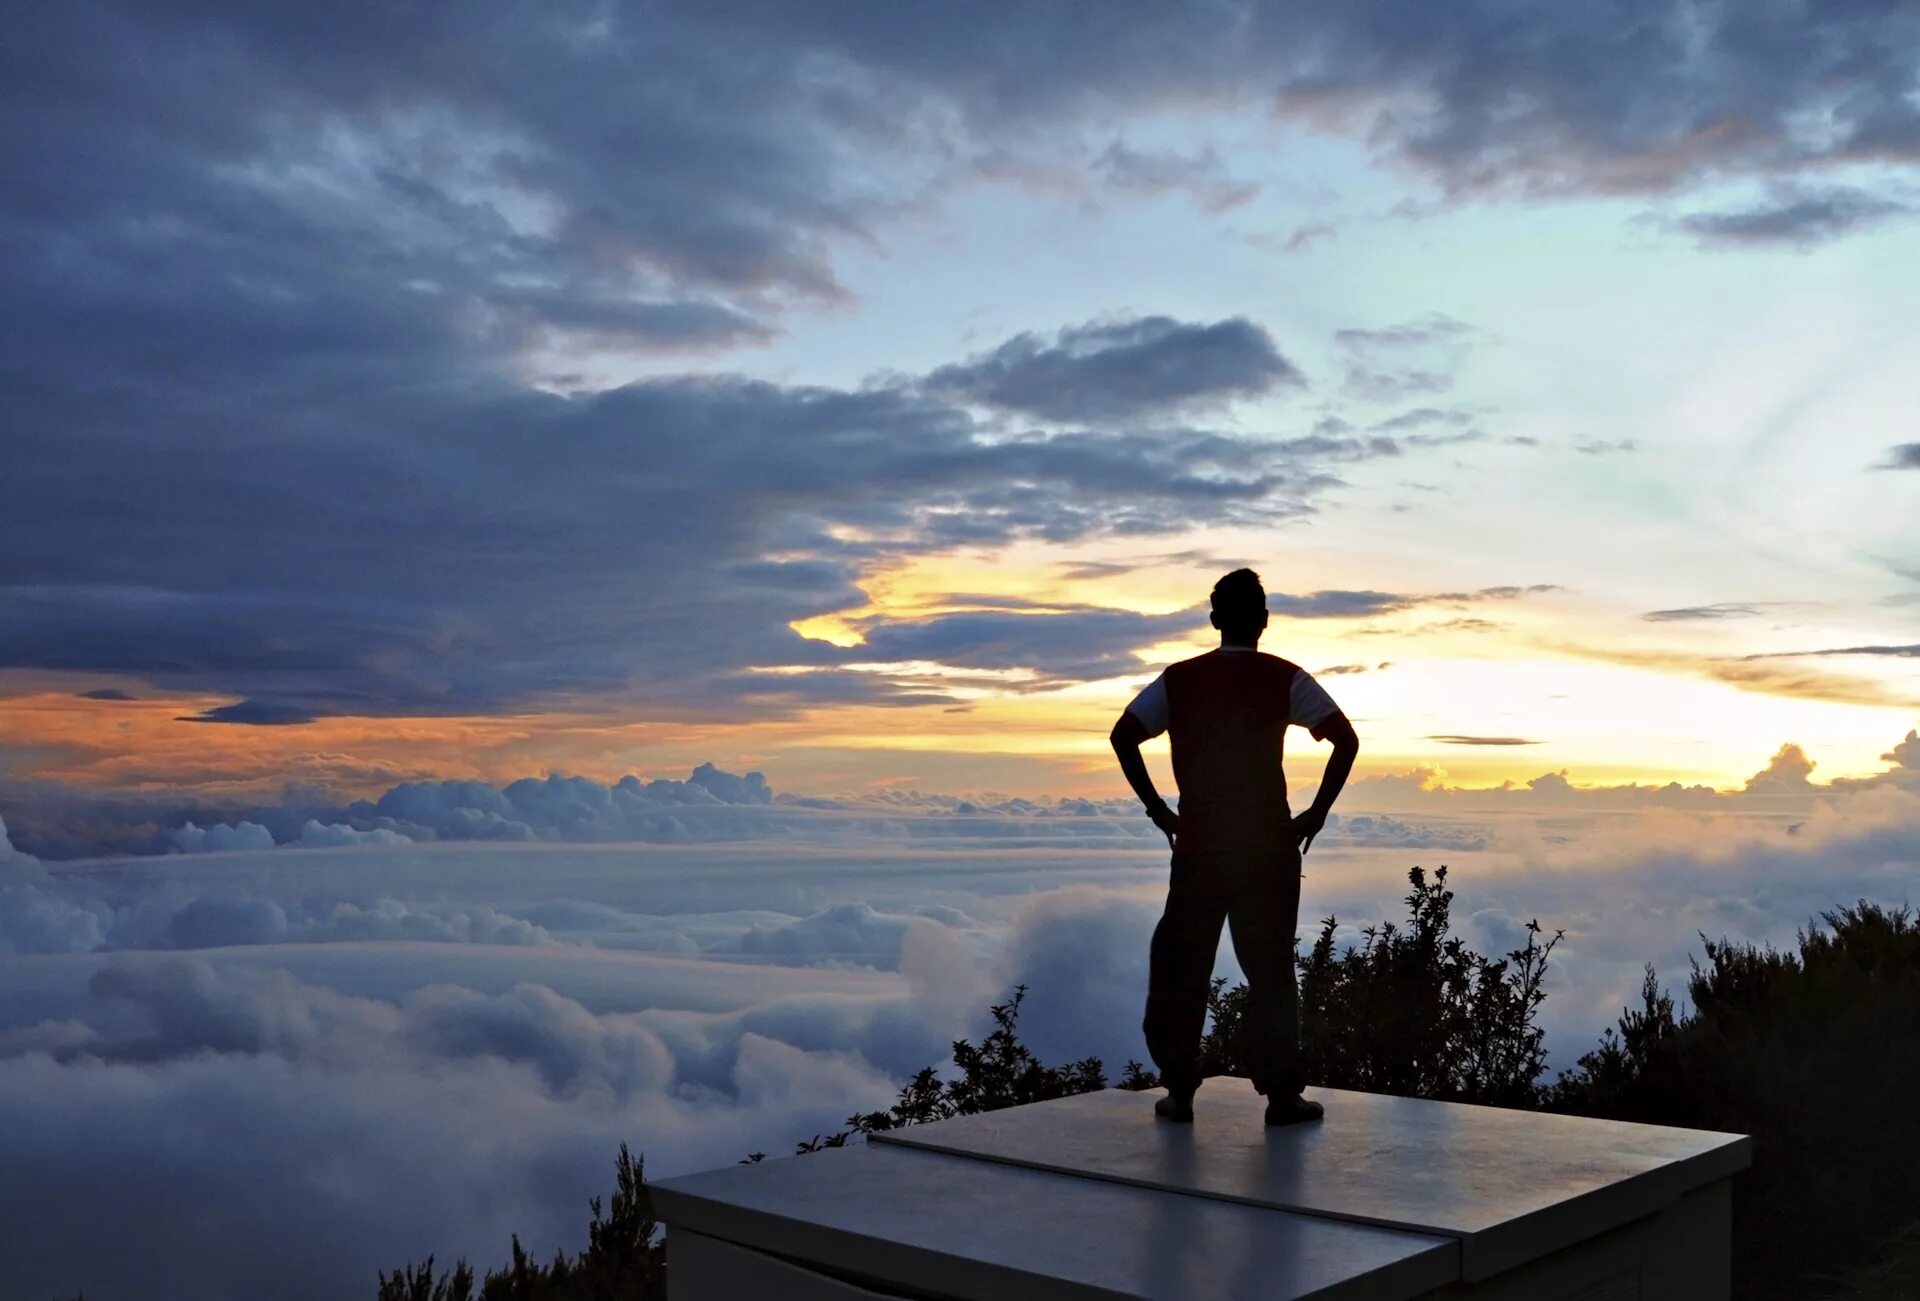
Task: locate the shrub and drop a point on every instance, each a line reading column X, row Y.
column 625, row 1259
column 1816, row 1054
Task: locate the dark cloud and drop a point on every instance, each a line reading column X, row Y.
column 276, row 286
column 1123, row 370
column 1792, row 216
column 1420, row 417
column 256, row 713
column 1455, row 739
column 1337, row 604
column 1902, row 456
column 1896, row 652
column 495, row 546
column 1605, row 446
column 1061, row 645
column 1504, row 592
column 1689, row 613
column 106, row 693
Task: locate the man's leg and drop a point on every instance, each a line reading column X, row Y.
column 1179, row 972
column 1263, row 915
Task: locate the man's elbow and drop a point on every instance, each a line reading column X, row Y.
column 1127, row 733
column 1344, row 739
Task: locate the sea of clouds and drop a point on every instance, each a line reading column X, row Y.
column 278, row 1060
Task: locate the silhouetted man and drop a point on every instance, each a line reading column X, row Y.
column 1236, row 846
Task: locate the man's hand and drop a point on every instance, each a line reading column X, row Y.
column 1308, row 825
column 1166, row 819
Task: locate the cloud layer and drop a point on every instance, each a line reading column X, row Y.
column 349, row 1056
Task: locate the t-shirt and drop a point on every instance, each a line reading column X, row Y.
column 1228, row 712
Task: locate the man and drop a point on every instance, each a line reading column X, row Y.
column 1236, row 846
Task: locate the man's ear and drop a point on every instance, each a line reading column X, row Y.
column 1263, row 621
column 1213, row 617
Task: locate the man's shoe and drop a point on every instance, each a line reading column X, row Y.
column 1293, row 1111
column 1176, row 1108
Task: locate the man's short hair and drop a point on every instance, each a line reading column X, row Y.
column 1239, row 600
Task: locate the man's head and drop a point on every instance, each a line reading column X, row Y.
column 1240, row 607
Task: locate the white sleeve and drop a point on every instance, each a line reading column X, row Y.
column 1311, row 705
column 1150, row 706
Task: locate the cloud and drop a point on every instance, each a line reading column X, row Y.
column 1420, row 417
column 1902, row 456
column 34, row 917
column 220, row 837
column 1688, row 613
column 1385, row 365
column 322, row 1086
column 335, row 834
column 106, row 693
column 369, row 255
column 1435, row 327
column 847, row 933
column 711, row 806
column 1787, row 772
column 1772, row 673
column 1390, row 386
column 1383, row 831
column 1793, row 216
column 1482, row 740
column 1061, row 644
column 1896, row 652
column 1129, row 370
column 1088, row 950
column 255, row 713
column 354, row 1133
column 1906, row 755
column 1305, row 236
column 692, row 482
column 1337, row 604
column 1151, row 173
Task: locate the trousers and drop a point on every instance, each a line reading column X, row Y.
column 1255, row 890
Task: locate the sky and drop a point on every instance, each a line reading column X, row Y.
column 870, row 396
column 565, row 571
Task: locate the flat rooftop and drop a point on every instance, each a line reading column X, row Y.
column 1093, row 1196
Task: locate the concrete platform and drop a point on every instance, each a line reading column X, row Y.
column 1091, row 1196
column 895, row 1221
column 1509, row 1185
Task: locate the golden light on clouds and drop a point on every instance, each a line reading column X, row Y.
column 1489, row 685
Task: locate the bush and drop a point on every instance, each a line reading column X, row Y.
column 1001, row 1072
column 1816, row 1054
column 1410, row 1011
column 625, row 1259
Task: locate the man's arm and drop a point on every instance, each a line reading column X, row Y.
column 1127, row 735
column 1346, row 745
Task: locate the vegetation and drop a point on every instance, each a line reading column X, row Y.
column 1816, row 1053
column 625, row 1259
